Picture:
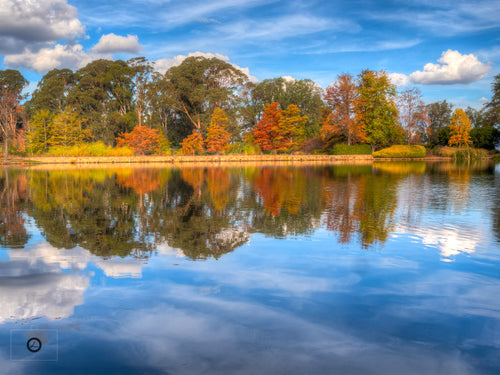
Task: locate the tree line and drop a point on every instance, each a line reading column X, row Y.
column 209, row 105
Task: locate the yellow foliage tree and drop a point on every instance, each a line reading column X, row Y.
column 460, row 129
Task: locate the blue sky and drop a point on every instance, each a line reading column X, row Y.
column 448, row 49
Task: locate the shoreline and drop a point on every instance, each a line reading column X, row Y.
column 207, row 159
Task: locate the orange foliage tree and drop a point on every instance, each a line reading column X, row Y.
column 263, row 132
column 460, row 129
column 141, row 139
column 192, row 143
column 340, row 120
column 290, row 133
column 217, row 136
column 280, row 130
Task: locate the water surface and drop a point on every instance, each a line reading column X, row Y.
column 385, row 268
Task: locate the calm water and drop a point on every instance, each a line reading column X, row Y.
column 390, row 268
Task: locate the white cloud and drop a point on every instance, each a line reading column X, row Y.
column 60, row 56
column 162, row 65
column 27, row 23
column 112, row 43
column 453, row 68
column 483, row 100
column 399, row 79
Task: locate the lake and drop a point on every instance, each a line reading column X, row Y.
column 383, row 268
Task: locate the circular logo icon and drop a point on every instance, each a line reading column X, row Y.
column 34, row 345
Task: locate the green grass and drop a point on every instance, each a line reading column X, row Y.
column 343, row 149
column 401, row 151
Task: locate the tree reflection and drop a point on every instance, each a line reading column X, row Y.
column 209, row 211
column 12, row 196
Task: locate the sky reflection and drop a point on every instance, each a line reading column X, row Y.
column 284, row 289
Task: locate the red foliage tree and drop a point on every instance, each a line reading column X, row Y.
column 143, row 140
column 264, row 131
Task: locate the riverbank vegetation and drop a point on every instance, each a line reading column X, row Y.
column 208, row 106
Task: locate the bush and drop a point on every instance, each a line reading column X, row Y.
column 462, row 153
column 401, row 151
column 89, row 149
column 343, row 149
column 244, row 148
column 470, row 154
column 447, row 151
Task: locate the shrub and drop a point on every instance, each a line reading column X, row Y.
column 401, row 151
column 447, row 151
column 89, row 149
column 343, row 149
column 244, row 148
column 470, row 154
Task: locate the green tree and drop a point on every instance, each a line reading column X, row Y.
column 52, row 92
column 485, row 137
column 196, row 88
column 439, row 114
column 103, row 94
column 376, row 109
column 493, row 106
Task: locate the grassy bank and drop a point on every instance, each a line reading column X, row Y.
column 174, row 159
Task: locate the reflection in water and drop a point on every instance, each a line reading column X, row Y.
column 207, row 212
column 105, row 258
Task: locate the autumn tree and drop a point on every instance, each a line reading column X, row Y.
column 264, row 130
column 40, row 131
column 413, row 116
column 340, row 121
column 192, row 144
column 12, row 84
column 304, row 93
column 68, row 129
column 143, row 140
column 460, row 127
column 290, row 133
column 217, row 136
column 376, row 109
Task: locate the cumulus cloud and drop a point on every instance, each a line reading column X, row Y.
column 112, row 43
column 162, row 65
column 27, row 23
column 453, row 68
column 399, row 79
column 59, row 56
